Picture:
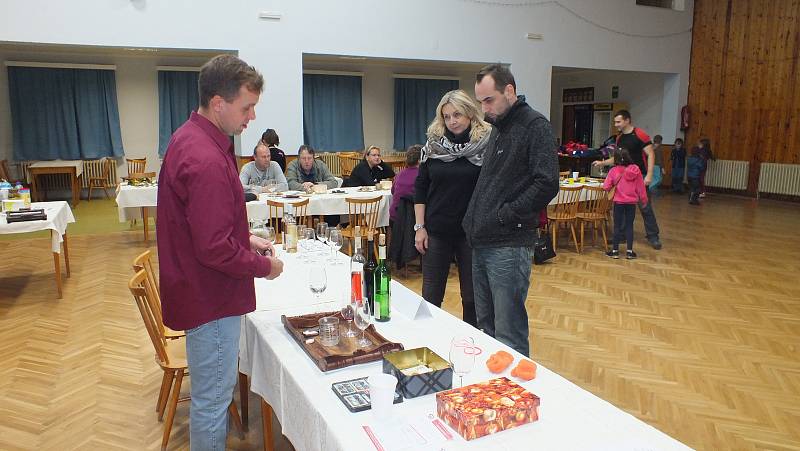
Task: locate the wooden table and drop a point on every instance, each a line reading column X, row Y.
column 59, row 215
column 74, row 168
column 133, row 201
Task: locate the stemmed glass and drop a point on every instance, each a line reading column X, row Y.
column 317, row 280
column 462, row 355
column 272, row 186
column 335, row 241
column 348, row 312
column 305, row 242
column 363, row 318
column 322, row 232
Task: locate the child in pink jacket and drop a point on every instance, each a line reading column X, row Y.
column 626, row 177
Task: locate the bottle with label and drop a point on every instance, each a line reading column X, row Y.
column 357, row 269
column 369, row 271
column 291, row 229
column 383, row 281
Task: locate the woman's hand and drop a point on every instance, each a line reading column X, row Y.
column 421, row 241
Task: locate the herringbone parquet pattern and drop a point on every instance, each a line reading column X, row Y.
column 700, row 339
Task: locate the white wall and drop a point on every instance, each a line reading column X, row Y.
column 652, row 97
column 453, row 30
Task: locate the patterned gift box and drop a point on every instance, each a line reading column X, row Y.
column 441, row 378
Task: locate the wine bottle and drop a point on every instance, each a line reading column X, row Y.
column 291, row 229
column 357, row 269
column 383, row 281
column 369, row 272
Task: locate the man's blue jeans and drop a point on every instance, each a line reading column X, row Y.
column 501, row 276
column 212, row 351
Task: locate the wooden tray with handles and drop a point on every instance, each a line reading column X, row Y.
column 344, row 354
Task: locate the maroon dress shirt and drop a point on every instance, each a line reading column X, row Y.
column 206, row 265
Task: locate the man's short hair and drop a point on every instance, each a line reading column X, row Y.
column 500, row 74
column 412, row 155
column 678, row 140
column 224, row 75
column 306, row 148
column 255, row 149
column 658, row 139
column 626, row 115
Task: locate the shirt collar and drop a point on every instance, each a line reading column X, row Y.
column 222, row 140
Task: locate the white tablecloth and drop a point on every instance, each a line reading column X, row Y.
column 130, row 200
column 584, row 193
column 77, row 164
column 334, row 204
column 313, row 418
column 58, row 216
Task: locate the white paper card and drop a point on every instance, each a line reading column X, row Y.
column 408, row 303
column 416, row 434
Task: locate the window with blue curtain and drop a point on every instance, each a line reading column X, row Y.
column 60, row 113
column 415, row 102
column 332, row 112
column 177, row 98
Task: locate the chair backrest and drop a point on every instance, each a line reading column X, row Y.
column 144, row 301
column 136, row 165
column 144, row 263
column 5, row 173
column 141, row 175
column 596, row 200
column 363, row 212
column 108, row 164
column 257, row 212
column 347, row 161
column 567, row 201
column 276, row 211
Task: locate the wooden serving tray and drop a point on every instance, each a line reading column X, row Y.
column 346, row 353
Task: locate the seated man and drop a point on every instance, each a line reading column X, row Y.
column 305, row 171
column 370, row 170
column 261, row 172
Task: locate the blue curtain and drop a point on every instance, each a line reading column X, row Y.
column 332, row 112
column 415, row 102
column 69, row 114
column 177, row 98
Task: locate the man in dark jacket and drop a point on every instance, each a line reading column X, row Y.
column 518, row 179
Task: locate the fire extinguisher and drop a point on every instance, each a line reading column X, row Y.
column 685, row 117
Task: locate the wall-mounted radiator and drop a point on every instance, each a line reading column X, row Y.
column 729, row 174
column 779, row 178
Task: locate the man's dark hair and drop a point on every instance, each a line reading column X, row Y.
column 270, row 137
column 412, row 155
column 255, row 149
column 622, row 156
column 678, row 140
column 500, row 74
column 624, row 113
column 658, row 139
column 224, row 75
column 307, row 148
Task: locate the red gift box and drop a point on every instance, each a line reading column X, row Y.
column 487, row 407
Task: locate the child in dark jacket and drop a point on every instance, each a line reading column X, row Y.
column 696, row 167
column 678, row 157
column 630, row 191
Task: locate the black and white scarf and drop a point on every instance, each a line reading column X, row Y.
column 445, row 150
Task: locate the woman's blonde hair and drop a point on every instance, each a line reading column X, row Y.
column 366, row 151
column 464, row 105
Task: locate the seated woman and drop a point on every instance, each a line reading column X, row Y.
column 404, row 182
column 370, row 170
column 260, row 173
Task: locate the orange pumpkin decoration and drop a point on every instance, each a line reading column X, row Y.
column 499, row 361
column 525, row 369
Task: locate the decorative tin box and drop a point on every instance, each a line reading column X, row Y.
column 418, row 371
column 487, row 407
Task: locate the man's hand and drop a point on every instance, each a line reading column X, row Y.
column 260, row 245
column 307, row 185
column 421, row 241
column 275, row 268
column 648, row 179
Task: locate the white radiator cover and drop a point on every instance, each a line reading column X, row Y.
column 777, row 178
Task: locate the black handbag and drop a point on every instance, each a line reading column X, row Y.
column 542, row 248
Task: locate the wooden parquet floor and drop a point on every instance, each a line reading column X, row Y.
column 700, row 339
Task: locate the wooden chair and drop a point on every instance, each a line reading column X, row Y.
column 102, row 181
column 361, row 212
column 243, row 161
column 565, row 212
column 170, row 356
column 143, row 262
column 5, row 173
column 348, row 161
column 595, row 211
column 136, row 165
column 276, row 215
column 140, row 175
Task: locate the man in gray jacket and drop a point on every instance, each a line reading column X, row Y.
column 306, row 171
column 518, row 179
column 260, row 173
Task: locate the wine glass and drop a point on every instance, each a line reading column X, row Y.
column 307, row 243
column 363, row 318
column 269, row 234
column 317, row 280
column 322, row 232
column 272, row 186
column 462, row 355
column 335, row 241
column 348, row 312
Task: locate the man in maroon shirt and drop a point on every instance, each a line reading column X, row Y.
column 207, row 257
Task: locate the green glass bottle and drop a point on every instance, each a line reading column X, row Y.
column 383, row 280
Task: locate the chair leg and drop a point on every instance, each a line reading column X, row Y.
column 244, row 392
column 605, row 239
column 166, row 381
column 169, row 377
column 574, row 238
column 89, row 199
column 237, row 422
column 554, row 232
column 582, row 224
column 173, row 404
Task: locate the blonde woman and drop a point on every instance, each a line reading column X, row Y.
column 451, row 162
column 370, row 170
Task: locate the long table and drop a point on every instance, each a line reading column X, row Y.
column 59, row 215
column 313, row 418
column 333, row 203
column 73, row 168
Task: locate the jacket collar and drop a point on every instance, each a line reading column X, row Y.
column 507, row 118
column 222, row 140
